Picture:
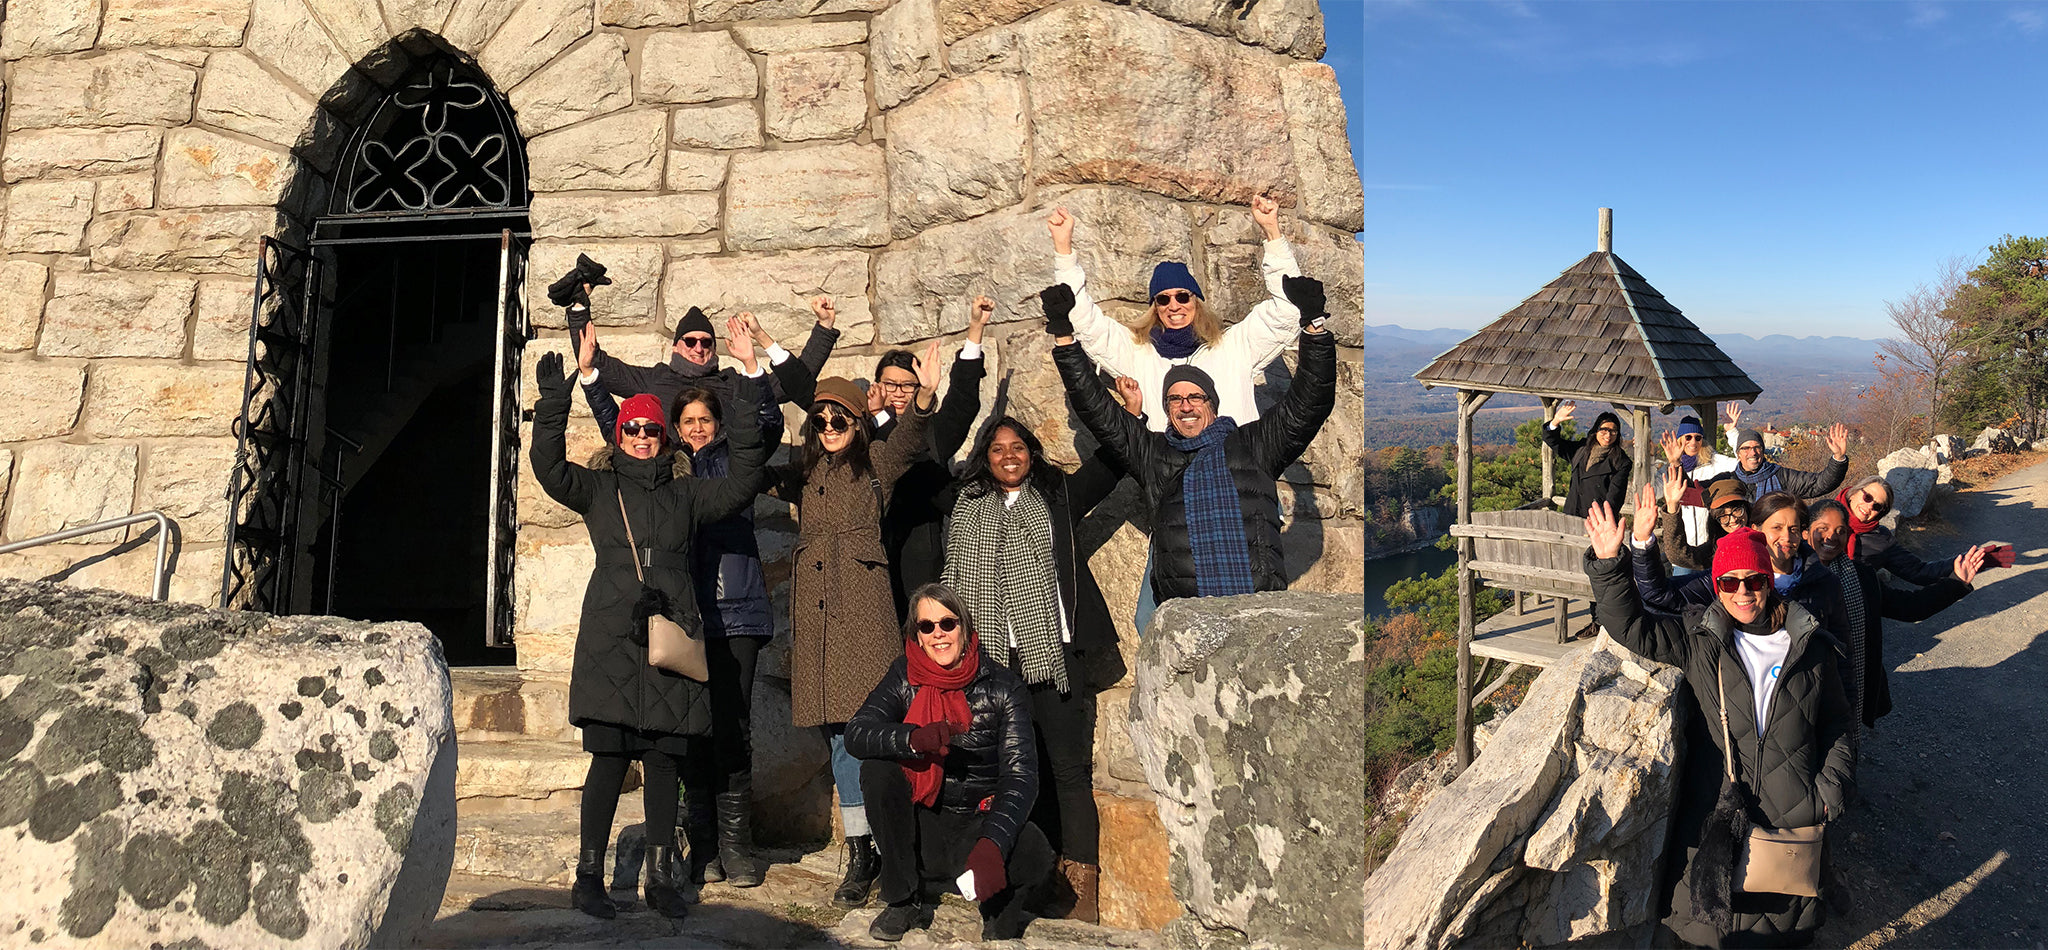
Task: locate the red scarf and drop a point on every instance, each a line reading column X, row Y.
column 938, row 697
column 1857, row 528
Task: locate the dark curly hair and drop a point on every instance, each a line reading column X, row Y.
column 978, row 480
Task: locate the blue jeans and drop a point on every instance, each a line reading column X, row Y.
column 846, row 777
column 1146, row 603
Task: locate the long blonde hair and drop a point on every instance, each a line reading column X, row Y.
column 1206, row 327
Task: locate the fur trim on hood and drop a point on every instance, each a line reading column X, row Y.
column 601, row 461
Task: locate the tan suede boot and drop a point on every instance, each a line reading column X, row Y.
column 1084, row 879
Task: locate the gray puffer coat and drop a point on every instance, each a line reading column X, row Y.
column 1799, row 772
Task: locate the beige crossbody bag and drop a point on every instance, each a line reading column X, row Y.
column 1773, row 860
column 669, row 646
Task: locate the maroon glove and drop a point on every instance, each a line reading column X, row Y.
column 932, row 736
column 985, row 862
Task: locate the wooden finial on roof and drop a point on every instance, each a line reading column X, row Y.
column 1606, row 230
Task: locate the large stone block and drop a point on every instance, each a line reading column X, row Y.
column 174, row 23
column 187, row 479
column 694, row 171
column 813, row 197
column 64, row 153
column 590, row 216
column 957, row 152
column 1208, row 124
column 309, row 761
column 205, row 169
column 61, row 486
column 1234, row 251
column 1325, row 555
column 472, row 23
column 45, row 217
column 105, row 314
column 146, row 399
column 798, row 36
column 125, row 193
column 635, row 14
column 923, row 285
column 237, row 94
column 126, row 87
column 1330, row 190
column 1133, row 891
column 531, row 36
column 1579, row 783
column 615, row 153
column 196, row 242
column 1294, row 27
column 733, row 125
column 715, row 10
column 429, row 15
column 284, row 34
column 816, row 94
column 631, row 299
column 786, row 757
column 43, row 27
column 21, row 302
column 548, row 580
column 958, row 18
column 535, row 507
column 696, row 67
column 221, row 331
column 357, row 25
column 777, row 288
column 43, row 400
column 906, row 51
column 589, row 80
column 1249, row 719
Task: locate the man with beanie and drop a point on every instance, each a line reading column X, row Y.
column 1760, row 476
column 1208, row 480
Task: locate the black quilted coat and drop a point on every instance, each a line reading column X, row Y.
column 610, row 680
column 1605, row 480
column 1256, row 453
column 1799, row 772
column 996, row 758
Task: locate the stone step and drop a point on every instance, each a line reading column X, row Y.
column 495, row 703
column 540, row 847
column 522, row 770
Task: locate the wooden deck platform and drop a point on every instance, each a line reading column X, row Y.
column 1530, row 639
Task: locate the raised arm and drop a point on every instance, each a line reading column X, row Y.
column 1615, row 604
column 1286, row 432
column 824, row 335
column 796, row 380
column 1270, row 323
column 1825, row 481
column 569, row 484
column 909, row 443
column 1553, row 434
column 1107, row 341
column 1907, row 566
column 1120, row 437
column 954, row 421
column 747, row 472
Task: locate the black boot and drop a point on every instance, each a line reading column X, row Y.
column 896, row 920
column 700, row 826
column 862, row 864
column 658, row 884
column 736, row 840
column 588, row 895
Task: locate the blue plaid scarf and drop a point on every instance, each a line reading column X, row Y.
column 1763, row 481
column 1223, row 559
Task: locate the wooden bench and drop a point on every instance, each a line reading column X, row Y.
column 1531, row 552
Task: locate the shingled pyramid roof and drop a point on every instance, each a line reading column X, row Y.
column 1598, row 332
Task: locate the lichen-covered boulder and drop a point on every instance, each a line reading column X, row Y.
column 1249, row 719
column 175, row 776
column 1912, row 474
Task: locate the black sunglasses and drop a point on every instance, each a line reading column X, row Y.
column 830, row 423
column 652, row 430
column 1173, row 296
column 948, row 624
column 1754, row 583
column 1877, row 508
column 697, row 342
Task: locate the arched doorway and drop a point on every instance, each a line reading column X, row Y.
column 380, row 439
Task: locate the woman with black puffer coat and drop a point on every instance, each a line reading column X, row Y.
column 642, row 511
column 1600, row 466
column 949, row 769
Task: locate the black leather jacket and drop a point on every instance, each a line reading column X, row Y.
column 995, row 759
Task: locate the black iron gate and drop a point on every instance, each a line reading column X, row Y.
column 513, row 331
column 264, row 497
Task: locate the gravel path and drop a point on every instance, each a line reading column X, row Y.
column 1950, row 846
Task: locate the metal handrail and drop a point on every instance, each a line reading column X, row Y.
column 160, row 585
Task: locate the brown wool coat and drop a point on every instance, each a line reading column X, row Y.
column 842, row 615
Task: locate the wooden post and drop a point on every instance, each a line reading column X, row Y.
column 1549, row 454
column 1645, row 464
column 1606, row 230
column 1468, row 403
column 1562, row 607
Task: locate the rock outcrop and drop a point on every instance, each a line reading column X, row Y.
column 1556, row 832
column 184, row 777
column 1249, row 718
column 1995, row 441
column 1912, row 474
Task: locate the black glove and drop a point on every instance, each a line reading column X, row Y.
column 1306, row 294
column 549, row 377
column 568, row 290
column 1058, row 301
column 592, row 271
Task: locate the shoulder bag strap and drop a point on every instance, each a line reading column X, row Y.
column 634, row 552
column 1727, row 746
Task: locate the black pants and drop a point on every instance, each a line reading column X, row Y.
column 924, row 850
column 724, row 761
column 601, row 787
column 1065, row 729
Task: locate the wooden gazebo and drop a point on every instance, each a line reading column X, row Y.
column 1598, row 333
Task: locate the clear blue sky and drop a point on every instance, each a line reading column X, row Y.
column 1774, row 167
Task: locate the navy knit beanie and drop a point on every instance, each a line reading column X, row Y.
column 1171, row 274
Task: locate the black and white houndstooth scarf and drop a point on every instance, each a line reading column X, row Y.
column 999, row 557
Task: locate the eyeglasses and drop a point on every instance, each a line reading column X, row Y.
column 888, row 387
column 1609, row 430
column 1750, row 450
column 948, row 624
column 1754, row 583
column 650, row 430
column 697, row 342
column 830, row 422
column 1877, row 508
column 1191, row 400
column 1172, row 296
column 1732, row 513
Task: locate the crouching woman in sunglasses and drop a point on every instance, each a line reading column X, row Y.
column 842, row 614
column 1765, row 680
column 951, row 770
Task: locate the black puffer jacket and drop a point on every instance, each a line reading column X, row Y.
column 1605, row 480
column 1878, row 549
column 1799, row 772
column 1256, row 454
column 1885, row 602
column 996, row 758
column 610, row 681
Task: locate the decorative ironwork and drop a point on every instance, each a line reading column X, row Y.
column 263, row 489
column 512, row 333
column 443, row 141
